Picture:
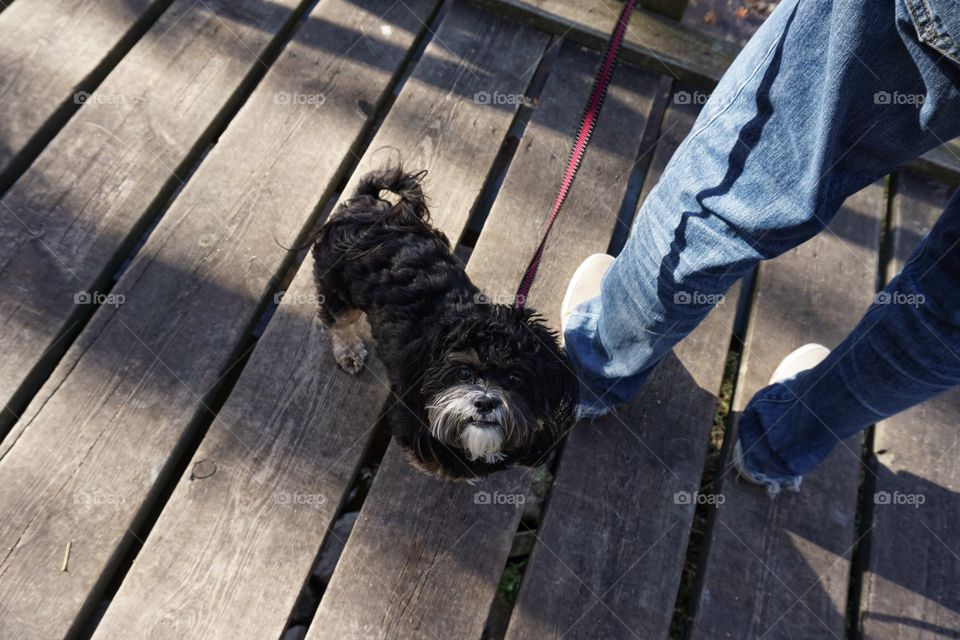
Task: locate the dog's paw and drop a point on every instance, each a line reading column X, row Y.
column 350, row 357
column 494, row 458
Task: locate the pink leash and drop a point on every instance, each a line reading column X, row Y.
column 587, row 123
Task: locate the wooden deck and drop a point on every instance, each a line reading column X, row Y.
column 179, row 456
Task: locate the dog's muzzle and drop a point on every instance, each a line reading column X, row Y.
column 474, row 418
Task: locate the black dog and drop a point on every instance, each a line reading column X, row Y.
column 480, row 385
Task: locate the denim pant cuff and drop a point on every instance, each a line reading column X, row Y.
column 600, row 388
column 579, row 339
column 764, row 415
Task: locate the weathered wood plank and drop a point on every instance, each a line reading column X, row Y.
column 912, row 568
column 435, row 574
column 229, row 553
column 672, row 9
column 101, row 438
column 50, row 51
column 735, row 22
column 779, row 568
column 663, row 46
column 610, row 553
column 651, row 41
column 69, row 220
column 943, row 163
column 635, row 497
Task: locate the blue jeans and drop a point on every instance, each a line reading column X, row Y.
column 825, row 99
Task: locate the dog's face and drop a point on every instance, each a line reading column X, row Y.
column 497, row 389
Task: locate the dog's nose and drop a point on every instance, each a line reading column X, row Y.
column 484, row 404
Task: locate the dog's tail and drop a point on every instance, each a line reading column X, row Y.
column 406, row 186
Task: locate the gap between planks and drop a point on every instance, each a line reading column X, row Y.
column 307, row 442
column 88, row 197
column 781, row 567
column 421, row 581
column 74, row 47
column 663, row 46
column 135, row 387
column 910, row 567
column 626, row 498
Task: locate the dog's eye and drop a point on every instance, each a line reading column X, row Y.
column 465, row 373
column 514, row 380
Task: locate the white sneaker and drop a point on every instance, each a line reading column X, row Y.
column 584, row 284
column 806, row 357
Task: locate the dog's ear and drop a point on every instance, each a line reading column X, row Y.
column 560, row 396
column 559, row 383
column 562, row 393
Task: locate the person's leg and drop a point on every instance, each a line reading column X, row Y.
column 905, row 350
column 826, row 98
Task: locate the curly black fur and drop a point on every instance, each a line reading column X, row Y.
column 427, row 317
